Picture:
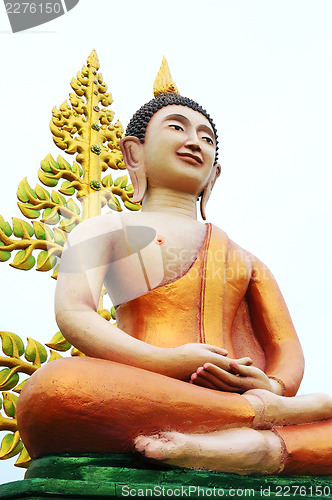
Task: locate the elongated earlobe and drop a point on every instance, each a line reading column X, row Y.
column 208, row 188
column 131, row 148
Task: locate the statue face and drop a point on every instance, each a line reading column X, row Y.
column 179, row 149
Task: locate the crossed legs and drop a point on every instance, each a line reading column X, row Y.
column 241, row 450
column 92, row 405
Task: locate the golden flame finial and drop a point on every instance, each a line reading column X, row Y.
column 93, row 60
column 163, row 82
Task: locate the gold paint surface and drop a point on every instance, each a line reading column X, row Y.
column 164, row 82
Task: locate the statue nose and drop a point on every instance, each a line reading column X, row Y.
column 192, row 143
column 194, row 146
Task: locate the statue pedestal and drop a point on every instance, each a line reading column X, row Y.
column 120, row 476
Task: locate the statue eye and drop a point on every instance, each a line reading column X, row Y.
column 208, row 140
column 176, row 127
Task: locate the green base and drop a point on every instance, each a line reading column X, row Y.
column 124, row 476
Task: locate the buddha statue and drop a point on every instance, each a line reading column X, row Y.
column 203, row 366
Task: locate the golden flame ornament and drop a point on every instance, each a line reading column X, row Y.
column 163, row 82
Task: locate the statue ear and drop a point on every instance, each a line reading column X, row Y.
column 208, row 188
column 132, row 151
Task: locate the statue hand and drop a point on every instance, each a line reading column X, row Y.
column 239, row 378
column 188, row 358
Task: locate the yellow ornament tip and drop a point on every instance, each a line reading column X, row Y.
column 93, row 60
column 163, row 82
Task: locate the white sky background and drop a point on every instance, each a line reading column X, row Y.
column 262, row 69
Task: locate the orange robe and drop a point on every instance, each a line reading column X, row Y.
column 227, row 298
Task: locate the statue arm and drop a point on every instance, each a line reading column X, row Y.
column 274, row 329
column 94, row 336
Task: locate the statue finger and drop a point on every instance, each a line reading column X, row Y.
column 220, row 379
column 226, row 375
column 216, row 349
column 201, row 381
column 244, row 361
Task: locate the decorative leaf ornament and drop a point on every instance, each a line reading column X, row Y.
column 13, row 377
column 163, row 82
column 82, row 127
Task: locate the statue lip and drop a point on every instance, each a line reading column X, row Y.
column 192, row 156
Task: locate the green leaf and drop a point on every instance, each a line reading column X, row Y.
column 107, row 181
column 114, row 203
column 76, row 352
column 21, row 261
column 11, row 445
column 22, row 229
column 66, row 226
column 67, row 189
column 58, row 198
column 28, row 210
column 21, row 193
column 76, row 169
column 59, row 236
column 42, row 193
column 9, row 404
column 24, row 459
column 47, row 179
column 24, row 191
column 12, row 344
column 51, row 216
column 121, row 181
column 4, row 254
column 80, row 170
column 5, row 227
column 8, row 381
column 48, row 163
column 73, row 207
column 63, row 164
column 19, row 387
column 45, row 262
column 55, row 273
column 54, row 356
column 45, row 166
column 132, row 206
column 59, row 343
column 35, row 352
column 42, row 231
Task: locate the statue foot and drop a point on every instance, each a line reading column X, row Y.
column 240, row 451
column 164, row 446
column 272, row 410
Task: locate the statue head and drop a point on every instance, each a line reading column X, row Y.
column 149, row 116
column 140, row 120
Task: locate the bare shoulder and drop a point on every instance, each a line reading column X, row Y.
column 105, row 226
column 101, row 237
